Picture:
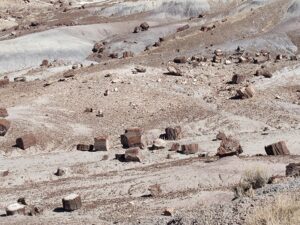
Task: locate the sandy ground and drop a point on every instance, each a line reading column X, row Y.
column 200, row 102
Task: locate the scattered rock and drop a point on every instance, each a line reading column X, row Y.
column 98, row 47
column 173, row 133
column 155, row 190
column 264, row 72
column 22, row 201
column 140, row 69
column 189, row 149
column 229, row 147
column 175, row 147
column 26, row 141
column 71, row 202
column 218, row 52
column 168, row 212
column 132, row 155
column 293, row 170
column 3, row 112
column 4, row 173
column 174, row 70
column 180, row 59
column 158, row 144
column 278, row 148
column 132, row 137
column 60, row 172
column 45, row 63
column 4, row 82
column 84, row 147
column 238, row 78
column 128, row 54
column 185, row 27
column 101, row 143
column 20, row 79
column 221, row 136
column 100, row 113
column 145, row 26
column 4, row 126
column 15, row 209
column 105, row 157
column 246, row 92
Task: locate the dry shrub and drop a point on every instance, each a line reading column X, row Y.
column 251, row 179
column 284, row 210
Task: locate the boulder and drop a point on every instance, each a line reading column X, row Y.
column 71, row 202
column 293, row 170
column 3, row 112
column 246, row 92
column 144, row 26
column 238, row 78
column 229, row 147
column 20, row 79
column 218, row 52
column 189, row 149
column 173, row 133
column 101, row 143
column 133, row 155
column 278, row 148
column 217, row 59
column 140, row 69
column 26, row 141
column 45, row 63
column 4, row 126
column 132, row 137
column 168, row 212
column 15, row 209
column 180, row 59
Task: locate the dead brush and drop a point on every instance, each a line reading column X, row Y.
column 251, row 180
column 283, row 210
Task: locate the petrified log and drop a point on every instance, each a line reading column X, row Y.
column 173, row 133
column 101, row 143
column 26, row 141
column 15, row 209
column 238, row 78
column 278, row 148
column 133, row 155
column 84, row 147
column 293, row 170
column 189, row 149
column 4, row 126
column 246, row 92
column 72, row 202
column 180, row 59
column 132, row 137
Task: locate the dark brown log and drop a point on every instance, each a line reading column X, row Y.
column 4, row 126
column 278, row 148
column 26, row 141
column 180, row 59
column 71, row 202
column 173, row 133
column 132, row 138
column 221, row 136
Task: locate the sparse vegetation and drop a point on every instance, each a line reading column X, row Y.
column 284, row 210
column 251, row 179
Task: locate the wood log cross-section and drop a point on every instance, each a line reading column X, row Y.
column 71, row 202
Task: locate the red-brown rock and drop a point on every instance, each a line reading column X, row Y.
column 132, row 137
column 101, row 143
column 173, row 133
column 4, row 126
column 133, row 155
column 229, row 147
column 189, row 149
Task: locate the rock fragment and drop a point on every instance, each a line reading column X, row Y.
column 4, row 173
column 182, row 28
column 133, row 155
column 293, row 170
column 188, row 149
column 3, row 112
column 61, row 171
column 180, row 59
column 229, row 147
column 4, row 126
column 71, row 202
column 26, row 141
column 155, row 190
column 168, row 212
column 15, row 209
column 85, row 147
column 278, row 148
column 173, row 133
column 246, row 92
column 238, row 78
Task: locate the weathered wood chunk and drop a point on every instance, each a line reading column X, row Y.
column 132, row 137
column 14, row 209
column 26, row 141
column 278, row 148
column 4, row 126
column 229, row 147
column 173, row 133
column 3, row 112
column 189, row 149
column 101, row 143
column 293, row 170
column 71, row 202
